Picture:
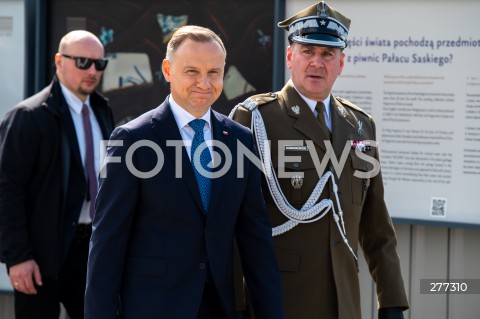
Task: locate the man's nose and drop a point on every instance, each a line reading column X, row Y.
column 317, row 61
column 92, row 69
column 203, row 81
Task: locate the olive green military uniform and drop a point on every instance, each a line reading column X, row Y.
column 319, row 272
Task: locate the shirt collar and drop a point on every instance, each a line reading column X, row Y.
column 182, row 117
column 312, row 103
column 73, row 101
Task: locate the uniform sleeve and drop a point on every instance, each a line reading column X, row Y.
column 379, row 243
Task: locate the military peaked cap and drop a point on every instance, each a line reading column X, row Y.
column 319, row 25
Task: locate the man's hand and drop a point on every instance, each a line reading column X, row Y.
column 22, row 276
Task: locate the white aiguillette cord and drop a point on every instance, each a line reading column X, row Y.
column 310, row 212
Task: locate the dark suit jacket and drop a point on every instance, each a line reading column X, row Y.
column 42, row 181
column 152, row 242
column 319, row 273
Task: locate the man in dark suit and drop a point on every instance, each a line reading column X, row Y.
column 165, row 225
column 322, row 211
column 49, row 159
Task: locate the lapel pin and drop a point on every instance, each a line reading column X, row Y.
column 225, row 133
column 296, row 109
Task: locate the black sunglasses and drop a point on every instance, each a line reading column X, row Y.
column 84, row 63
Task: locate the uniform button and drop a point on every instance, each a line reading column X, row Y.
column 296, row 165
column 202, row 266
column 334, row 242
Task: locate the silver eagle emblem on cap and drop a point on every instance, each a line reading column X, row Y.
column 321, row 10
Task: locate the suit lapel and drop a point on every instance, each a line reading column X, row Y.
column 103, row 121
column 69, row 130
column 305, row 121
column 166, row 129
column 220, row 133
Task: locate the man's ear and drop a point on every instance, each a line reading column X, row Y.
column 288, row 57
column 166, row 69
column 58, row 56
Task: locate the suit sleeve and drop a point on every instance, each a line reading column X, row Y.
column 255, row 244
column 115, row 207
column 379, row 243
column 19, row 143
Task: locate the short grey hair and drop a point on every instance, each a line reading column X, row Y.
column 194, row 33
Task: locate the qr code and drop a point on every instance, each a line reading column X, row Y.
column 439, row 207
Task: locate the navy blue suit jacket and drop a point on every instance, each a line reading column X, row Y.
column 152, row 242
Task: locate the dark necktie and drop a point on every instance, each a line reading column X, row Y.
column 204, row 182
column 320, row 107
column 89, row 159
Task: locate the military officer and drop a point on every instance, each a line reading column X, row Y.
column 322, row 181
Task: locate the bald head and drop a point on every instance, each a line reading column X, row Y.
column 77, row 36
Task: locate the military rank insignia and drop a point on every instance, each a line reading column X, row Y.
column 296, row 109
column 342, row 111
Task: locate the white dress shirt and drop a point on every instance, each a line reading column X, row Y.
column 75, row 105
column 182, row 117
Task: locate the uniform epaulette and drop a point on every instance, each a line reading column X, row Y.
column 254, row 101
column 351, row 105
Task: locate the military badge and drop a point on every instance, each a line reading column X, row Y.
column 294, row 148
column 297, row 181
column 296, row 109
column 361, row 145
column 342, row 111
column 321, row 10
column 360, row 128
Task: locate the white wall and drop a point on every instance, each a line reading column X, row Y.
column 12, row 40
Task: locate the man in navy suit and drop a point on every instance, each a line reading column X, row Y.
column 166, row 223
